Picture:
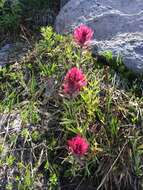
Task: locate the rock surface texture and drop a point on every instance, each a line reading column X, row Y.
column 63, row 2
column 118, row 26
column 4, row 54
column 11, row 53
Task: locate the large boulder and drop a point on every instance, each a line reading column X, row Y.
column 117, row 24
column 128, row 45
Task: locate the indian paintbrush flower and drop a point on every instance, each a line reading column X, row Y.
column 83, row 35
column 74, row 81
column 78, row 145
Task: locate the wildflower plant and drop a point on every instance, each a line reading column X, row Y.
column 78, row 123
column 74, row 81
column 78, row 145
column 83, row 35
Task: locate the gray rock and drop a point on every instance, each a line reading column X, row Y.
column 11, row 53
column 63, row 2
column 128, row 45
column 116, row 26
column 4, row 54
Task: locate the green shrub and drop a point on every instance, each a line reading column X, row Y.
column 10, row 14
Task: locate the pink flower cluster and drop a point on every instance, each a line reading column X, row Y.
column 74, row 81
column 78, row 145
column 83, row 35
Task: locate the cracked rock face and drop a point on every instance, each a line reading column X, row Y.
column 118, row 26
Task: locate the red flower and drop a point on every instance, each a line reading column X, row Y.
column 83, row 34
column 78, row 145
column 74, row 81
